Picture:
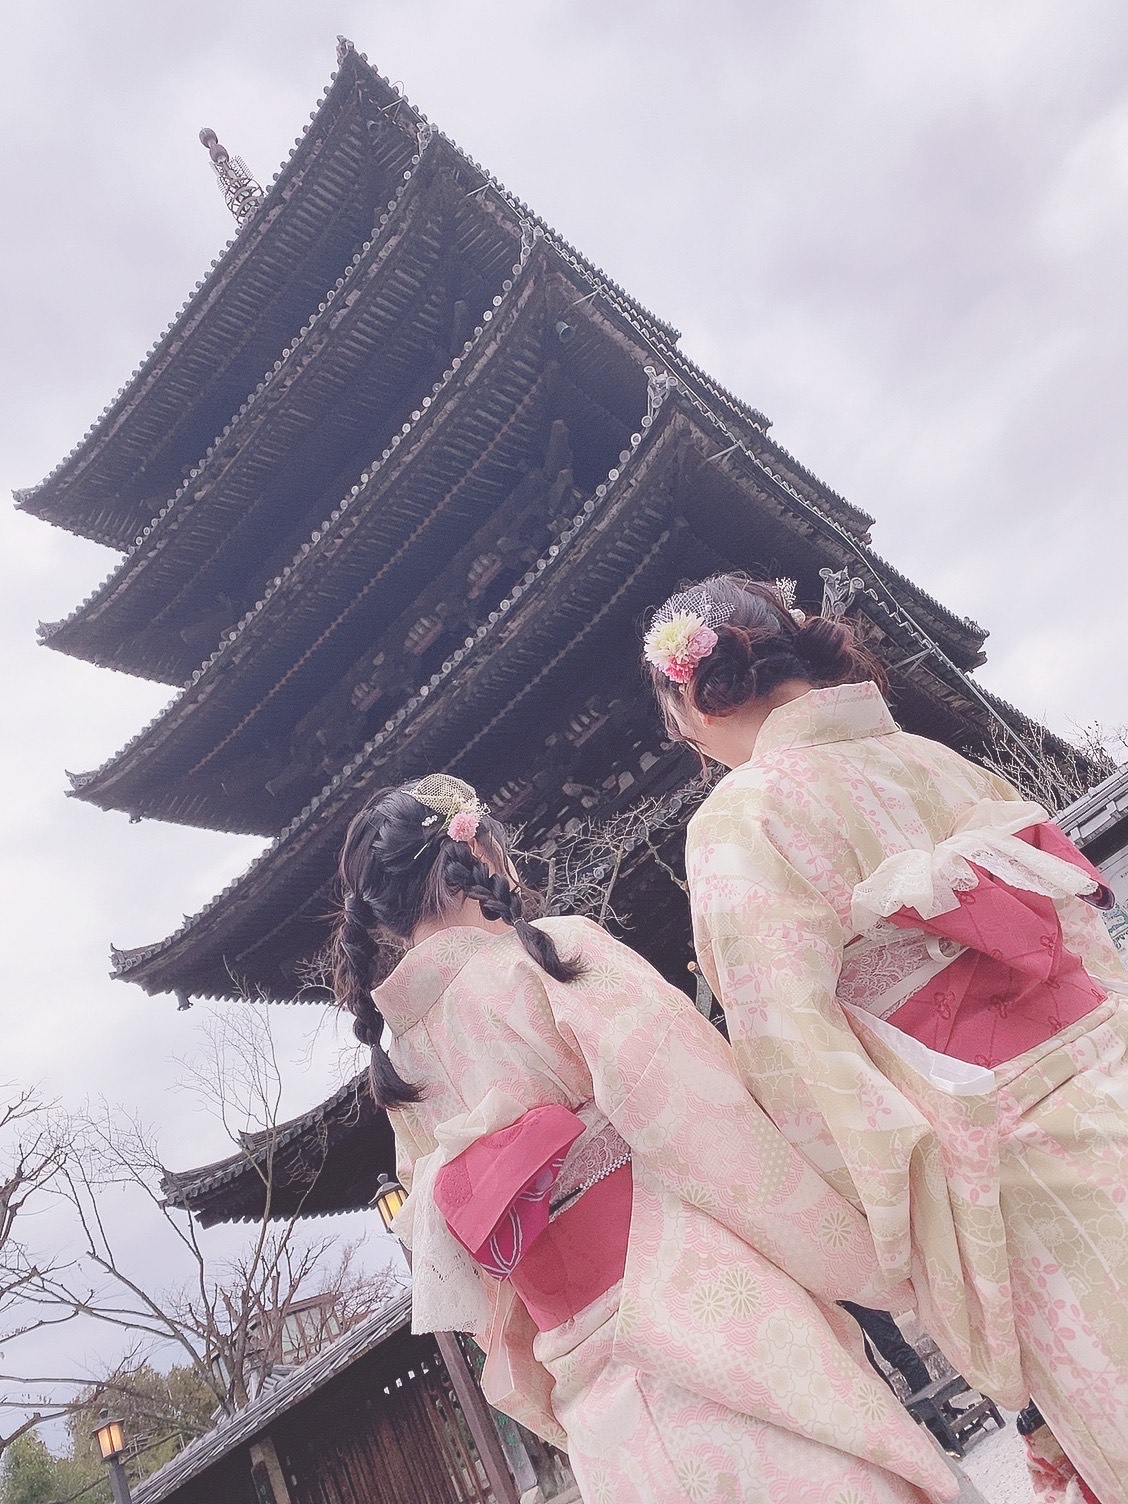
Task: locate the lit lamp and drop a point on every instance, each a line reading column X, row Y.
column 389, row 1197
column 110, row 1436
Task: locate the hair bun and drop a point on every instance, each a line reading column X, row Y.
column 722, row 678
column 762, row 641
column 831, row 650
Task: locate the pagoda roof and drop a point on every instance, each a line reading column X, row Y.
column 321, row 205
column 368, row 355
column 326, row 1160
column 191, row 543
column 686, row 499
column 468, row 467
column 223, row 754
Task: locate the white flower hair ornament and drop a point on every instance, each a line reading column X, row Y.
column 456, row 809
column 786, row 590
column 683, row 632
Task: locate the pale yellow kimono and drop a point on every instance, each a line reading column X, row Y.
column 708, row 1374
column 1006, row 1198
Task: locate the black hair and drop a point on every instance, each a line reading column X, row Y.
column 396, row 871
column 760, row 646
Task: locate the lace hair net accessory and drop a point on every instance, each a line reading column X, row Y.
column 683, row 632
column 455, row 808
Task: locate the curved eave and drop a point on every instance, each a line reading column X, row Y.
column 130, row 623
column 856, row 521
column 751, row 427
column 598, row 562
column 103, row 507
column 328, row 1160
column 406, row 484
column 295, row 244
column 947, row 703
column 959, row 636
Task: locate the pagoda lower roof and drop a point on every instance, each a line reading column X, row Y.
column 322, row 204
column 354, row 373
column 326, row 1160
column 684, row 502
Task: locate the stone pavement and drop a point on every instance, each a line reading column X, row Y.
column 996, row 1464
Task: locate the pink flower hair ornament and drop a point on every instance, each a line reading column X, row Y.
column 456, row 810
column 677, row 646
column 683, row 632
column 464, row 825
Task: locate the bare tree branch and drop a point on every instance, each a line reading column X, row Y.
column 578, row 871
column 1055, row 778
column 232, row 1320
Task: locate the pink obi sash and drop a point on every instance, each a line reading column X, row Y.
column 1014, row 984
column 546, row 1204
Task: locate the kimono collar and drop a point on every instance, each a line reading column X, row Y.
column 427, row 970
column 843, row 713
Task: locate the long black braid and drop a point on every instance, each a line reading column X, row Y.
column 395, row 872
column 356, row 969
column 499, row 899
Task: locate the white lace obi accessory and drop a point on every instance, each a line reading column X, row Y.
column 447, row 1289
column 598, row 1152
column 884, row 967
column 987, row 834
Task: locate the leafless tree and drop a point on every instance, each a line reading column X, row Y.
column 35, row 1144
column 1054, row 776
column 227, row 1320
column 578, row 870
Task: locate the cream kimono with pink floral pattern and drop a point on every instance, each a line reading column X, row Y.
column 709, row 1327
column 1006, row 1198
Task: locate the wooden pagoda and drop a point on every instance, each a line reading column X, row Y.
column 392, row 494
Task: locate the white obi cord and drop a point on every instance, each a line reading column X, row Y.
column 930, row 881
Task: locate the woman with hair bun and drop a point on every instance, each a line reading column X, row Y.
column 920, row 993
column 595, row 1196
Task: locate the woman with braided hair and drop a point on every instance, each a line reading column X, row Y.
column 920, row 992
column 649, row 1266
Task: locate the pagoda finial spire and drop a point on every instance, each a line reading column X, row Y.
column 240, row 190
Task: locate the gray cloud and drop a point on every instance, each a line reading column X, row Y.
column 899, row 230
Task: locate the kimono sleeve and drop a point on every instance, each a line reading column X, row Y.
column 411, row 1144
column 667, row 1080
column 770, row 946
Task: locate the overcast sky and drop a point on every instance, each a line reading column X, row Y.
column 897, row 228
